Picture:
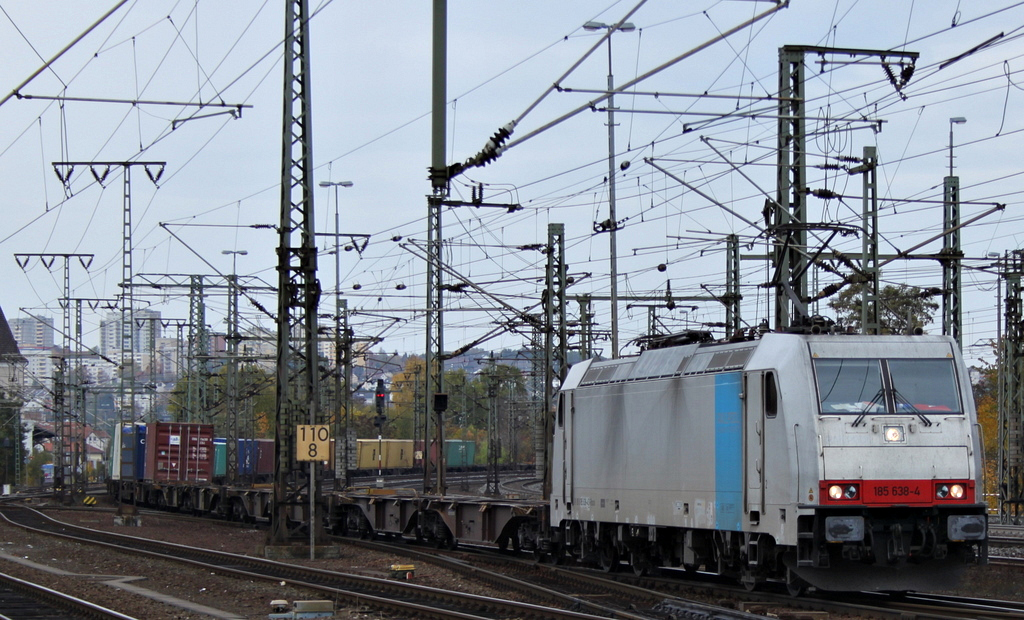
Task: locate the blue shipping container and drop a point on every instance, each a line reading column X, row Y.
column 133, row 452
column 248, row 456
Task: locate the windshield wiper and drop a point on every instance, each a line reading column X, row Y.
column 864, row 412
column 900, row 400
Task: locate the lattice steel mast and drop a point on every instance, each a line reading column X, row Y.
column 100, row 171
column 789, row 211
column 297, row 501
column 1011, row 390
column 439, row 178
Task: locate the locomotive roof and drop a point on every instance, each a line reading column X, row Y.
column 704, row 358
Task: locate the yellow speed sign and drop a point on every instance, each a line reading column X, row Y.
column 314, row 442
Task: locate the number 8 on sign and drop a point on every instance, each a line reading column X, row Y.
column 314, row 442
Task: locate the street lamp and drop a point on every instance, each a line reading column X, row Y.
column 956, row 120
column 338, row 399
column 612, row 222
column 234, row 257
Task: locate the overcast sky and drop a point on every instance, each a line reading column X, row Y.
column 371, row 102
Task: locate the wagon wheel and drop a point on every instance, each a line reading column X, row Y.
column 237, row 512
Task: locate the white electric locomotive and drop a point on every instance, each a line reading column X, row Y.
column 840, row 461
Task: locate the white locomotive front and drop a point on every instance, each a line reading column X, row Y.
column 840, row 461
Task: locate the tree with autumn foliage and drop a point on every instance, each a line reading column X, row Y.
column 468, row 405
column 986, row 401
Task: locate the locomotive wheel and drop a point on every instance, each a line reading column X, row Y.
column 608, row 558
column 641, row 564
column 795, row 586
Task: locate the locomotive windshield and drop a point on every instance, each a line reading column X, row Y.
column 894, row 386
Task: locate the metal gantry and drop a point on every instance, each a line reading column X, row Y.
column 789, row 210
column 100, row 171
column 64, row 387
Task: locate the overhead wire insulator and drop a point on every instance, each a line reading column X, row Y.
column 493, row 149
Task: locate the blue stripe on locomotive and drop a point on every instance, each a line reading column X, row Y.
column 728, row 451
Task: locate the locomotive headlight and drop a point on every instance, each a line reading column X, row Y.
column 893, row 434
column 841, row 492
column 951, row 491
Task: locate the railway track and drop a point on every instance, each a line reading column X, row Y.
column 21, row 599
column 574, row 588
column 923, row 605
column 673, row 597
column 385, row 595
column 625, row 596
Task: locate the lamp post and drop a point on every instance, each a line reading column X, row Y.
column 234, row 258
column 956, row 120
column 338, row 400
column 612, row 225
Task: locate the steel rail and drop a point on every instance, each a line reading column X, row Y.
column 394, row 596
column 19, row 595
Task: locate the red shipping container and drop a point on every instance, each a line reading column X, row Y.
column 265, row 459
column 178, row 452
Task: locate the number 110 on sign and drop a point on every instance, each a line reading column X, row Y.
column 314, row 442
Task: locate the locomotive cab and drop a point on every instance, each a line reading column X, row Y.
column 899, row 461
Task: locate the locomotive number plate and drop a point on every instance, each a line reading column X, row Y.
column 896, row 492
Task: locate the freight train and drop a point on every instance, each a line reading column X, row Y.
column 840, row 461
column 837, row 461
column 184, row 452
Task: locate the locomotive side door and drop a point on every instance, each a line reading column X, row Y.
column 753, row 441
column 566, row 413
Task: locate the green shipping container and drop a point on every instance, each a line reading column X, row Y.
column 220, row 458
column 459, row 452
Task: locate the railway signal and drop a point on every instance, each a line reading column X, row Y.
column 380, row 399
